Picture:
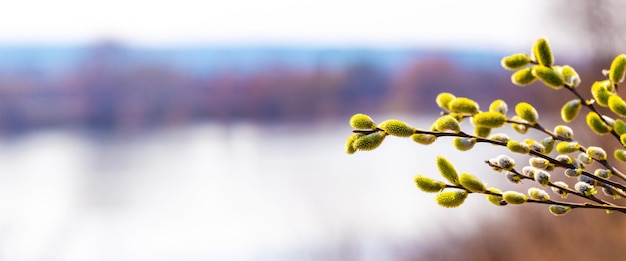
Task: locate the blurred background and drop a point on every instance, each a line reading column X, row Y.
column 215, row 130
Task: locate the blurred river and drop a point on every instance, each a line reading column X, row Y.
column 222, row 192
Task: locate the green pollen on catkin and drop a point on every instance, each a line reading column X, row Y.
column 451, row 199
column 601, row 91
column 463, row 105
column 370, row 141
column 596, row 124
column 584, row 158
column 620, row 127
column 471, row 183
column 538, row 194
column 518, row 147
column 447, row 123
column 489, row 119
column 618, row 69
column 570, row 110
column 596, row 153
column 565, row 147
column 515, row 61
column 570, row 75
column 513, row 197
column 548, row 76
column 523, row 77
column 350, row 142
column 482, row 132
column 519, row 128
column 542, row 52
column 617, row 105
column 443, row 99
column 495, row 199
column 447, row 170
column 563, row 132
column 548, row 144
column 427, row 184
column 362, row 122
column 620, row 155
column 498, row 106
column 397, row 128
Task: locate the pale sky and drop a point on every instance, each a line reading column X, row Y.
column 497, row 24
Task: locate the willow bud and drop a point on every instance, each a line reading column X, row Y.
column 585, row 188
column 596, row 153
column 505, row 162
column 495, row 198
column 443, row 99
column 471, row 183
column 527, row 112
column 523, row 77
column 620, row 127
column 566, row 147
column 463, row 144
column 584, row 158
column 571, row 76
column 447, row 170
column 513, row 197
column 498, row 106
column 451, row 199
column 463, row 105
column 596, row 124
column 563, row 132
column 617, row 105
column 370, row 141
column 572, row 173
column 513, row 177
column 560, row 188
column 548, row 76
column 603, row 173
column 542, row 52
column 542, row 177
column 539, row 163
column 350, row 142
column 559, row 210
column 515, row 61
column 611, row 192
column 618, row 69
column 529, row 171
column 588, row 180
column 620, row 155
column 489, row 119
column 427, row 184
column 424, row 139
column 519, row 128
column 447, row 123
column 397, row 128
column 601, row 91
column 570, row 110
column 518, row 147
column 548, row 143
column 500, row 137
column 362, row 122
column 482, row 132
column 538, row 194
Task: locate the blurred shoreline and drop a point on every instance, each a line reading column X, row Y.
column 111, row 87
